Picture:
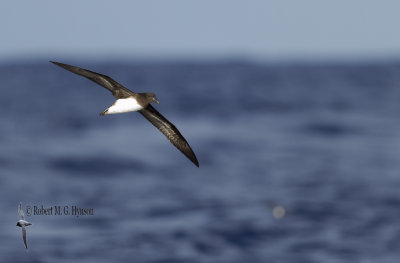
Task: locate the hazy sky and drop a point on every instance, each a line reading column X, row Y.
column 280, row 29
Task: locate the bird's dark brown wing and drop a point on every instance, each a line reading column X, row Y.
column 170, row 131
column 116, row 89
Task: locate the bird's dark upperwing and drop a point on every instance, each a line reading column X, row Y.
column 170, row 131
column 116, row 89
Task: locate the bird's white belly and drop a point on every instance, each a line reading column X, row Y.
column 124, row 105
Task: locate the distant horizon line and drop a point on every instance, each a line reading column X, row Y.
column 213, row 59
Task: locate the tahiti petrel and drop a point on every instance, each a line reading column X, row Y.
column 22, row 224
column 128, row 101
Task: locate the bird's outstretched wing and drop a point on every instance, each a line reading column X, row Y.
column 116, row 89
column 24, row 236
column 170, row 131
column 21, row 212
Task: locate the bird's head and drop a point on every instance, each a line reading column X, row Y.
column 150, row 97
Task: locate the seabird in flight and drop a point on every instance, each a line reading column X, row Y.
column 128, row 101
column 23, row 224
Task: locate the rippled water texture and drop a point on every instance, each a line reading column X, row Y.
column 321, row 141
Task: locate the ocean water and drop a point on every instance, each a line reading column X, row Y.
column 321, row 141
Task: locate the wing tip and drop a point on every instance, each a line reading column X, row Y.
column 192, row 157
column 58, row 64
column 196, row 162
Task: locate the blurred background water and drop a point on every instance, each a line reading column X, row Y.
column 320, row 140
column 292, row 108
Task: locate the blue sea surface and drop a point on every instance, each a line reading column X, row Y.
column 321, row 141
